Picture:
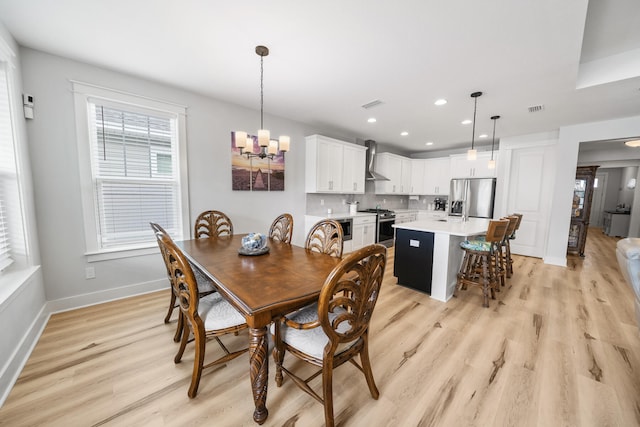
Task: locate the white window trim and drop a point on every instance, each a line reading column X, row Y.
column 82, row 94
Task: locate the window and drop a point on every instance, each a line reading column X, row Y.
column 131, row 150
column 12, row 243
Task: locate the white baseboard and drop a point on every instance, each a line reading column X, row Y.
column 561, row 262
column 21, row 354
column 85, row 300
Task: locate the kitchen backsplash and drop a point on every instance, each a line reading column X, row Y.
column 318, row 204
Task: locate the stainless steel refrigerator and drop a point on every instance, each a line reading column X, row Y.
column 472, row 196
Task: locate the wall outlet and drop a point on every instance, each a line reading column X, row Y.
column 90, row 273
column 344, row 201
column 384, row 201
column 321, row 202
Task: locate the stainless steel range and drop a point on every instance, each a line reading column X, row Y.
column 385, row 219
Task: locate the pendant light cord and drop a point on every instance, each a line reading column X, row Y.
column 473, row 132
column 493, row 140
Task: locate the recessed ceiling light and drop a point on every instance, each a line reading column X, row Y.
column 634, row 143
column 441, row 101
column 428, row 143
column 372, row 120
column 405, row 133
column 466, row 122
column 484, row 135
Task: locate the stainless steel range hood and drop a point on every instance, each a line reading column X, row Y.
column 370, row 173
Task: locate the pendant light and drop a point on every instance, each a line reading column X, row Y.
column 492, row 162
column 268, row 147
column 472, row 154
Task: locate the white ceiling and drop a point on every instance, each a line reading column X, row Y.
column 328, row 58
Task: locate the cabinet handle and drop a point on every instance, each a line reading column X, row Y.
column 355, row 186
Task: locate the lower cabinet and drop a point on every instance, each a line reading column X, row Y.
column 363, row 234
column 413, row 261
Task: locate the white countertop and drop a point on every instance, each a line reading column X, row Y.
column 452, row 226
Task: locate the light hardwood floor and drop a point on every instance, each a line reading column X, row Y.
column 559, row 347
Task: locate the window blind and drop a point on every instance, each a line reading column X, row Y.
column 135, row 172
column 7, row 169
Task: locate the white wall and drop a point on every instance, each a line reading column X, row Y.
column 22, row 295
column 55, row 164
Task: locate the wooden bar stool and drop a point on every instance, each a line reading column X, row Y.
column 509, row 237
column 482, row 259
column 507, row 261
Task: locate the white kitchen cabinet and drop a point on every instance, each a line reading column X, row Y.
column 479, row 168
column 417, row 177
column 437, row 176
column 405, row 175
column 354, row 160
column 406, row 216
column 364, row 232
column 333, row 166
column 431, row 215
column 397, row 169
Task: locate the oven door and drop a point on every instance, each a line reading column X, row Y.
column 385, row 231
column 347, row 227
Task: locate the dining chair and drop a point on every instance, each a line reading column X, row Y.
column 205, row 285
column 212, row 224
column 282, row 228
column 481, row 265
column 326, row 237
column 204, row 318
column 336, row 329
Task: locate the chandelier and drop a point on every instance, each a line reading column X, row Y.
column 268, row 147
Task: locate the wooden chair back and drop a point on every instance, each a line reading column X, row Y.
column 282, row 228
column 182, row 278
column 497, row 230
column 212, row 224
column 511, row 228
column 353, row 286
column 519, row 216
column 326, row 237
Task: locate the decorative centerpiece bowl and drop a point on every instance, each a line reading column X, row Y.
column 254, row 244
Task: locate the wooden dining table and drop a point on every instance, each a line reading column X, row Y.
column 262, row 288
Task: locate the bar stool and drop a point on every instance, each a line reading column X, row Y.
column 482, row 259
column 507, row 261
column 511, row 236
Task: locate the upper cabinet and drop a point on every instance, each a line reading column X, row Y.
column 437, row 176
column 333, row 166
column 417, row 177
column 479, row 168
column 397, row 169
column 353, row 168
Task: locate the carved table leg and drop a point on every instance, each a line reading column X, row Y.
column 259, row 370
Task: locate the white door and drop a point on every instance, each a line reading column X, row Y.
column 530, row 186
column 596, row 217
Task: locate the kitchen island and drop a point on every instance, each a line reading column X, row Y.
column 428, row 254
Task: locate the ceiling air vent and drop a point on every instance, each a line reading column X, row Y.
column 536, row 108
column 372, row 104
